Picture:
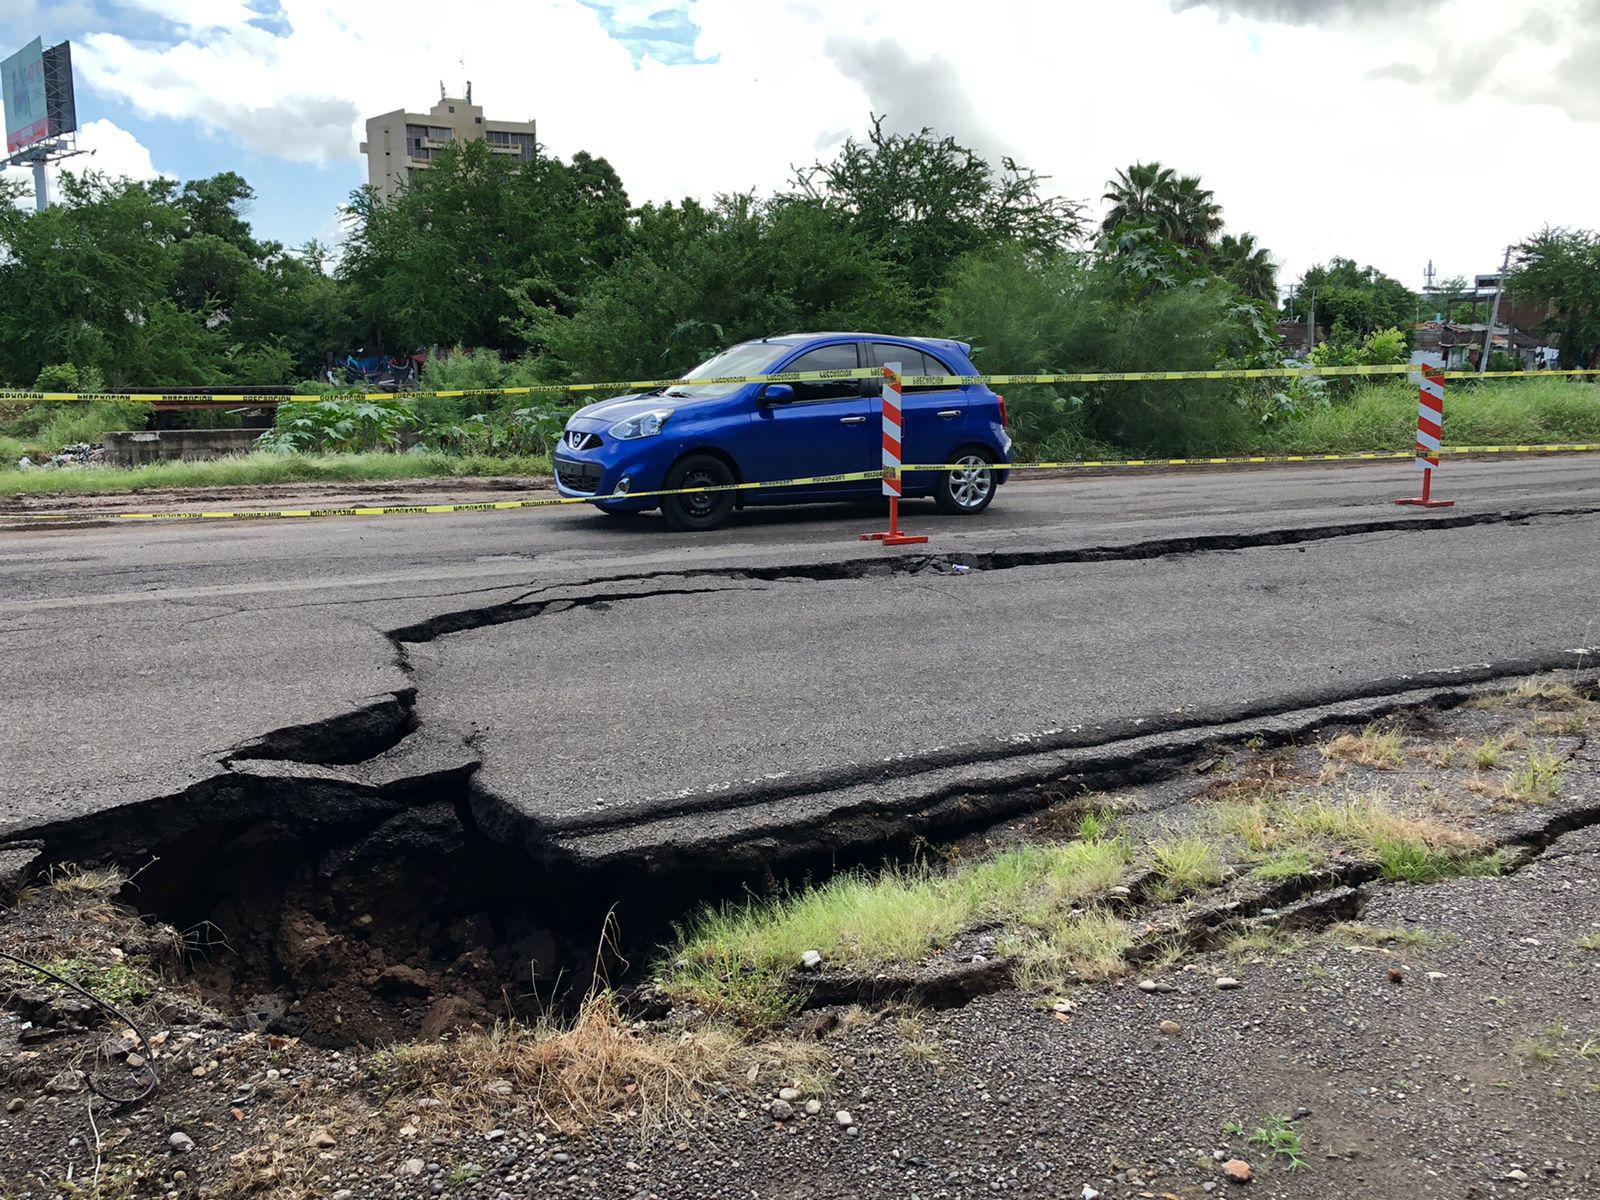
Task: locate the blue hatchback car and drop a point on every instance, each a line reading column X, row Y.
column 710, row 434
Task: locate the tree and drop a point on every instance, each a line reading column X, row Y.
column 442, row 263
column 1247, row 266
column 1177, row 207
column 1354, row 301
column 922, row 200
column 1561, row 268
column 701, row 277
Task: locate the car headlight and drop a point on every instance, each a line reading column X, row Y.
column 644, row 425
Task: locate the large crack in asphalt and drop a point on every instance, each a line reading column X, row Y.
column 374, row 815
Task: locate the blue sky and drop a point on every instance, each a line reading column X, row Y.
column 1311, row 119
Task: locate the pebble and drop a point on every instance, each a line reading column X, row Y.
column 811, row 960
column 343, row 1194
column 1171, row 1028
column 844, row 1118
column 1089, row 1193
column 181, row 1142
column 14, row 1105
column 1517, row 1174
column 412, row 1166
column 781, row 1110
column 1227, row 983
column 1061, row 1006
column 495, row 1135
column 1151, row 985
column 323, row 1140
column 790, row 1094
column 1237, row 1170
column 813, row 1107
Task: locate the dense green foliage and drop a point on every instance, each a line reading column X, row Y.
column 1561, row 267
column 550, row 274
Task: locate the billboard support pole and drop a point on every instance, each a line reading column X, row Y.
column 41, row 186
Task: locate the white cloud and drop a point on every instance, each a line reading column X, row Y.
column 110, row 150
column 1381, row 132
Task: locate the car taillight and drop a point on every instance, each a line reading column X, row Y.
column 1002, row 400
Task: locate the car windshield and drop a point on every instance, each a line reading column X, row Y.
column 751, row 358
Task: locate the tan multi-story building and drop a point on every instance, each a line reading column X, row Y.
column 401, row 142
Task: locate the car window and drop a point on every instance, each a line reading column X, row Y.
column 748, row 358
column 838, row 357
column 912, row 362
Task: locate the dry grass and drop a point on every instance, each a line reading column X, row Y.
column 1358, row 933
column 1081, row 948
column 572, row 1074
column 1537, row 779
column 1374, row 746
column 1297, row 835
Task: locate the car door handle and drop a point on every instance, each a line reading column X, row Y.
column 852, row 420
column 947, row 413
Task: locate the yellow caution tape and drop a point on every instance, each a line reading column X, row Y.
column 804, row 481
column 635, row 385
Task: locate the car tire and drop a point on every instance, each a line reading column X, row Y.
column 707, row 510
column 969, row 491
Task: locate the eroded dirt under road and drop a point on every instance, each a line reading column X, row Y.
column 1433, row 1039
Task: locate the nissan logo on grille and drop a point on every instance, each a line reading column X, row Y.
column 578, row 440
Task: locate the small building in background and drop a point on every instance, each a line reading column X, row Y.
column 401, row 142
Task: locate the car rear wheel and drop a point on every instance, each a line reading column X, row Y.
column 700, row 511
column 969, row 489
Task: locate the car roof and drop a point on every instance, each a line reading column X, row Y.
column 796, row 339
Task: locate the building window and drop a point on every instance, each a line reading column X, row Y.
column 477, row 120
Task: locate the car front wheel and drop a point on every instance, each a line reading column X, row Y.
column 968, row 489
column 698, row 511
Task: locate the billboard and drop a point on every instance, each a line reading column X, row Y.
column 22, row 78
column 39, row 103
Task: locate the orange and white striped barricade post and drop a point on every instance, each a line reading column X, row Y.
column 893, row 422
column 1430, row 434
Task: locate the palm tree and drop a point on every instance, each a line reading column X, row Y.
column 1138, row 196
column 1247, row 265
column 1193, row 212
column 1156, row 197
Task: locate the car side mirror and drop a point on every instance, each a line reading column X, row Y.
column 777, row 393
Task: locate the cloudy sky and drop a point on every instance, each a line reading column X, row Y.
column 1392, row 131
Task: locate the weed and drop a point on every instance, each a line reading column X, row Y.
column 1537, row 779
column 1538, row 1050
column 69, row 879
column 1356, row 933
column 1374, row 746
column 1545, row 692
column 735, row 961
column 1096, row 824
column 597, row 1065
column 1263, row 939
column 914, row 1039
column 1083, row 946
column 1295, row 862
column 1186, row 864
column 122, row 982
column 1590, row 941
column 1486, row 755
column 1276, row 1135
column 1571, row 724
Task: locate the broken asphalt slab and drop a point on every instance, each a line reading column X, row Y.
column 776, row 648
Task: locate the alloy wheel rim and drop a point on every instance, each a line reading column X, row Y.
column 970, row 486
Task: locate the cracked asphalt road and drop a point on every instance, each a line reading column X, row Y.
column 132, row 659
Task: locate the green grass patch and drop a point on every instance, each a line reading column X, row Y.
column 1082, row 946
column 1292, row 862
column 1358, row 933
column 1494, row 412
column 1275, row 1135
column 735, row 960
column 263, row 468
column 1590, row 941
column 122, row 982
column 1186, row 864
column 1537, row 779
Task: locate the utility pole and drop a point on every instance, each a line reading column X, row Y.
column 1311, row 323
column 1494, row 313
